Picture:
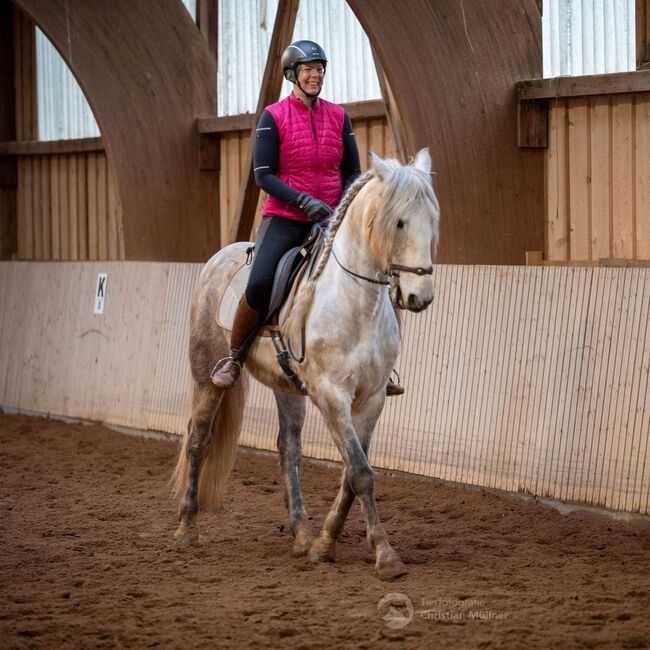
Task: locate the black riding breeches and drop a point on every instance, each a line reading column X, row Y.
column 275, row 236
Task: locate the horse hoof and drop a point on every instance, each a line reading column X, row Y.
column 186, row 536
column 302, row 544
column 300, row 550
column 391, row 568
column 322, row 551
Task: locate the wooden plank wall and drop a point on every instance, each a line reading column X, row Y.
column 68, row 208
column 372, row 135
column 527, row 379
column 598, row 178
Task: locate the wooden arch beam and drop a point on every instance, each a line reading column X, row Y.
column 285, row 21
column 451, row 68
column 147, row 73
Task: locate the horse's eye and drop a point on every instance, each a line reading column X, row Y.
column 400, row 224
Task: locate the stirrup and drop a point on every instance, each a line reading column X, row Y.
column 221, row 363
column 394, row 388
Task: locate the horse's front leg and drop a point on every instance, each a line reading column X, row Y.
column 352, row 434
column 291, row 415
column 205, row 401
column 363, row 421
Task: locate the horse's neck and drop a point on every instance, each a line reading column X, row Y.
column 352, row 297
column 352, row 248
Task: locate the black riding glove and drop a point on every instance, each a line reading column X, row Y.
column 314, row 208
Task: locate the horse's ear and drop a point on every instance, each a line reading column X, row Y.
column 380, row 165
column 423, row 160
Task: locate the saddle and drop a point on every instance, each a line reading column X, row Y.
column 290, row 270
column 291, row 267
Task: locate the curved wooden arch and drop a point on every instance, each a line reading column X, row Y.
column 147, row 74
column 451, row 67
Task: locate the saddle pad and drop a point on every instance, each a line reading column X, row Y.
column 231, row 297
column 227, row 308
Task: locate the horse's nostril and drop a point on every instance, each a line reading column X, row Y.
column 413, row 301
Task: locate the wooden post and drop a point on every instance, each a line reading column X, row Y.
column 25, row 71
column 206, row 19
column 8, row 167
column 392, row 111
column 285, row 21
column 642, row 33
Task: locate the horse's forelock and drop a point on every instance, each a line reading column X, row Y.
column 403, row 191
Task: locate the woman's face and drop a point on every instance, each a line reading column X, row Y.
column 310, row 77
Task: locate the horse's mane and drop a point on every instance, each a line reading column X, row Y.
column 404, row 187
column 337, row 220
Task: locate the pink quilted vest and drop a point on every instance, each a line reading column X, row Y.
column 311, row 148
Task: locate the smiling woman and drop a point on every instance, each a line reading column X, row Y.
column 310, row 79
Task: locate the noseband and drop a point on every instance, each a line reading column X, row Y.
column 394, row 269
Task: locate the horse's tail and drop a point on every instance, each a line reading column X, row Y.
column 220, row 455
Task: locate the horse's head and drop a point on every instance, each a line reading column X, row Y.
column 405, row 226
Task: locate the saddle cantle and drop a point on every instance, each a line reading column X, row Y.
column 290, row 270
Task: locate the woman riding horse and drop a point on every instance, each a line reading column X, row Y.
column 305, row 158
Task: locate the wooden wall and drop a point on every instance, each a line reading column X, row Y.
column 146, row 97
column 598, row 178
column 372, row 135
column 68, row 208
column 527, row 379
column 452, row 67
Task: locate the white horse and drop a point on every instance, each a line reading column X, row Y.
column 385, row 231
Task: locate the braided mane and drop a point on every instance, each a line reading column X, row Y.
column 337, row 220
column 305, row 295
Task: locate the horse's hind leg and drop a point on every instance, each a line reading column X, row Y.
column 291, row 414
column 205, row 401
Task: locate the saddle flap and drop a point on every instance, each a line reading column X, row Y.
column 284, row 276
column 291, row 269
column 288, row 276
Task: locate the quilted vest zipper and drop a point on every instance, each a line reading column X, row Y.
column 313, row 130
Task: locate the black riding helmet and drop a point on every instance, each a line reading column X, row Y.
column 301, row 52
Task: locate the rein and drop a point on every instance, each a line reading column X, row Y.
column 356, row 275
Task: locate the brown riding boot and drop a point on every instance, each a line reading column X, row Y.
column 244, row 330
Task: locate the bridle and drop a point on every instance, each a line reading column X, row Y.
column 392, row 273
column 394, row 269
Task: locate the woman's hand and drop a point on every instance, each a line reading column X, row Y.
column 314, row 208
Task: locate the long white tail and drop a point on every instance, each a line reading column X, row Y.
column 220, row 454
